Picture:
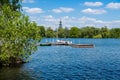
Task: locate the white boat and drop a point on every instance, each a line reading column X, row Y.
column 63, row 42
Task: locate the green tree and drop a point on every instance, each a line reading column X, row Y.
column 18, row 38
column 105, row 32
column 67, row 34
column 97, row 36
column 89, row 32
column 61, row 32
column 15, row 5
column 74, row 32
column 42, row 31
column 50, row 33
column 115, row 33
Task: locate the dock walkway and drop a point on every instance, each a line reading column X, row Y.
column 65, row 44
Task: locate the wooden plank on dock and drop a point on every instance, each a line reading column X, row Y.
column 82, row 45
column 65, row 44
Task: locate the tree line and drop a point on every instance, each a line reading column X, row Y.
column 84, row 32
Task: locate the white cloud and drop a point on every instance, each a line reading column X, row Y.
column 66, row 9
column 69, row 21
column 56, row 10
column 87, row 21
column 33, row 10
column 49, row 18
column 63, row 9
column 93, row 4
column 28, row 1
column 94, row 11
column 113, row 5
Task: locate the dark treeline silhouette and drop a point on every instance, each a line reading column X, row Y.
column 84, row 32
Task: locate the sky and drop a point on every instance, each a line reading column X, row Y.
column 79, row 13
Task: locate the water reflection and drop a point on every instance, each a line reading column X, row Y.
column 18, row 73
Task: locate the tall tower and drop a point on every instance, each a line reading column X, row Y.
column 60, row 24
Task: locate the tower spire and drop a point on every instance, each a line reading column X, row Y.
column 60, row 24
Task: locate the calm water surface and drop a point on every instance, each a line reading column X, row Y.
column 66, row 63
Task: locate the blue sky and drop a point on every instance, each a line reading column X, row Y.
column 80, row 13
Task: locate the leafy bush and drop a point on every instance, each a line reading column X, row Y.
column 18, row 36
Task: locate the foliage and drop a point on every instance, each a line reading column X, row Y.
column 97, row 36
column 104, row 32
column 89, row 32
column 67, row 32
column 18, row 36
column 85, row 32
column 15, row 5
column 49, row 32
column 115, row 33
column 74, row 32
column 42, row 31
column 61, row 32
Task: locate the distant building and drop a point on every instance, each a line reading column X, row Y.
column 60, row 24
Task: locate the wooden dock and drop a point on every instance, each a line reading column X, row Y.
column 65, row 44
column 82, row 45
column 58, row 44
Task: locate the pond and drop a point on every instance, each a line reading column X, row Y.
column 67, row 63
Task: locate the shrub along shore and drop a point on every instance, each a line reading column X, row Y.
column 18, row 35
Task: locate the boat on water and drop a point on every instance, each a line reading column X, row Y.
column 45, row 44
column 64, row 42
column 61, row 42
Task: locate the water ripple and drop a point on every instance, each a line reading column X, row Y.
column 67, row 63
